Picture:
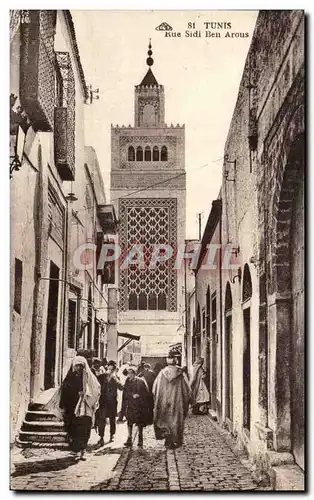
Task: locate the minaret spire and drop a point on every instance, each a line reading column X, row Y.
column 149, row 78
column 150, row 60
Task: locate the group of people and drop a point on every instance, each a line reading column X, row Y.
column 88, row 397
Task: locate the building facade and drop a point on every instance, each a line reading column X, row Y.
column 249, row 318
column 148, row 193
column 56, row 308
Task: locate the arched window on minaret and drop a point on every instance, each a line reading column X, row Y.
column 131, row 154
column 164, row 154
column 155, row 153
column 148, row 154
column 139, row 153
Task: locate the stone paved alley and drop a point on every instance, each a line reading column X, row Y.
column 205, row 462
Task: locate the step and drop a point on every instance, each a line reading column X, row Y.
column 43, row 437
column 40, row 415
column 34, row 444
column 42, row 426
column 287, row 478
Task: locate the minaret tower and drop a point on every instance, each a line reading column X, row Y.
column 149, row 109
column 148, row 191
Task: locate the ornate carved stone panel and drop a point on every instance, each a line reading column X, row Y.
column 148, row 222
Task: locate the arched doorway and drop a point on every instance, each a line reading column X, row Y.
column 246, row 307
column 228, row 355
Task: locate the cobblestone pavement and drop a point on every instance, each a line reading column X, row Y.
column 57, row 470
column 204, row 463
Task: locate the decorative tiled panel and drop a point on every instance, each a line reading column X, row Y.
column 148, row 222
column 150, row 140
column 139, row 180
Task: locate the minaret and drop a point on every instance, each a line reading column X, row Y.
column 149, row 109
column 148, row 192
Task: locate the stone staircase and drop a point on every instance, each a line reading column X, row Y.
column 41, row 428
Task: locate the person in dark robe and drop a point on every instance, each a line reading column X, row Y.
column 79, row 397
column 171, row 403
column 121, row 416
column 109, row 384
column 135, row 405
column 149, row 377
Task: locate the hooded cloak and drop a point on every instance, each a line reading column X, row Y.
column 171, row 403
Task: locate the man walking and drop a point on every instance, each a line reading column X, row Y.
column 171, row 403
column 135, row 405
column 145, row 372
column 108, row 402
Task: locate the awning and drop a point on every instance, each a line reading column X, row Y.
column 129, row 338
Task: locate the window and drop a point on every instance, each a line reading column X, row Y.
column 18, row 286
column 139, row 154
column 198, row 320
column 247, row 284
column 55, row 217
column 152, row 302
column 208, row 312
column 133, row 302
column 164, row 154
column 162, row 304
column 59, row 87
column 214, row 318
column 203, row 321
column 142, row 302
column 156, row 153
column 131, row 154
column 148, row 154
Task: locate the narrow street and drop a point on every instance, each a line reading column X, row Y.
column 204, row 463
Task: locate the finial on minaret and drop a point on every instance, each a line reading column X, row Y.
column 150, row 60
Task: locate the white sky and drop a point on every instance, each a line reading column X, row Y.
column 201, row 77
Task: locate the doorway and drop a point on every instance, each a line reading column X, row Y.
column 246, row 369
column 208, row 342
column 228, row 355
column 214, row 339
column 89, row 319
column 51, row 332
